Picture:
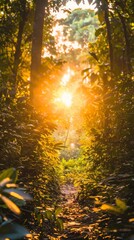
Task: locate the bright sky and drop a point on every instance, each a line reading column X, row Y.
column 71, row 5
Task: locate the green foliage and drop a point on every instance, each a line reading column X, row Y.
column 73, row 170
column 50, row 217
column 27, row 143
column 9, row 192
column 16, row 27
column 9, row 173
column 111, row 215
column 80, row 26
column 109, row 110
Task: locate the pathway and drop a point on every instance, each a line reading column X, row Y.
column 76, row 219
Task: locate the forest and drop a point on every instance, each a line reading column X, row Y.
column 66, row 120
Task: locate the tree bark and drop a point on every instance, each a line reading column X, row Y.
column 37, row 47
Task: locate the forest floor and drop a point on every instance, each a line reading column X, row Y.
column 76, row 219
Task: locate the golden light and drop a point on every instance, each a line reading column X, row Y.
column 66, row 77
column 66, row 99
column 72, row 145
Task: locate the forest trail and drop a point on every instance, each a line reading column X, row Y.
column 76, row 219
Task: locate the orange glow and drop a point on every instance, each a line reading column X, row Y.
column 64, row 98
column 66, row 77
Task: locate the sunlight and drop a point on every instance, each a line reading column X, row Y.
column 66, row 77
column 66, row 98
column 72, row 145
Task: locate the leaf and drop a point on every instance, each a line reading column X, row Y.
column 98, row 31
column 59, row 224
column 121, row 204
column 9, row 185
column 58, row 211
column 108, row 207
column 49, row 215
column 5, row 181
column 12, row 206
column 9, row 173
column 13, row 231
column 18, row 194
column 18, row 202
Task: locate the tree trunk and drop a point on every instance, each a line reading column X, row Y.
column 37, row 48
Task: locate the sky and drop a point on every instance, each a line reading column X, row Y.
column 71, row 5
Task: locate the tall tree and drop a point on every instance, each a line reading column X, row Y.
column 40, row 10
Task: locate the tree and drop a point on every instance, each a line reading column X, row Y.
column 80, row 26
column 16, row 21
column 40, row 8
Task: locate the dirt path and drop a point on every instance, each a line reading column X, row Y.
column 75, row 218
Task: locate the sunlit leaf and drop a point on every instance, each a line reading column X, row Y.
column 13, row 207
column 18, row 194
column 49, row 215
column 108, row 207
column 121, row 204
column 5, row 181
column 11, row 185
column 58, row 211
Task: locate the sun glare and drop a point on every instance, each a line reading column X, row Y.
column 66, row 99
column 66, row 77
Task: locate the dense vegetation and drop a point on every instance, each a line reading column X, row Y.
column 89, row 145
